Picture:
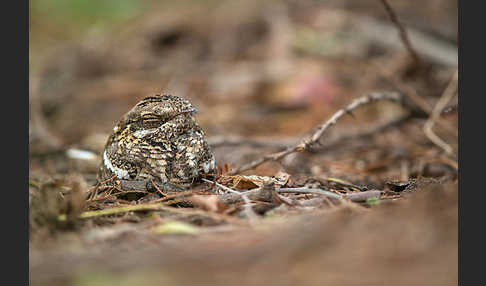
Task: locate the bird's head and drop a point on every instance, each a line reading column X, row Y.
column 155, row 110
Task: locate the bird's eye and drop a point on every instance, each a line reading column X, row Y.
column 150, row 118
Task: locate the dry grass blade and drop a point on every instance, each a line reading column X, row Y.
column 446, row 97
column 414, row 98
column 310, row 191
column 152, row 207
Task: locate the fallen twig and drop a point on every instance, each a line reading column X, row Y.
column 306, row 143
column 310, row 191
column 259, row 195
column 447, row 96
column 93, row 191
column 221, row 186
column 403, row 33
column 367, row 133
column 178, row 195
column 335, row 143
column 415, row 102
column 247, row 207
column 124, row 209
column 150, row 207
column 158, row 189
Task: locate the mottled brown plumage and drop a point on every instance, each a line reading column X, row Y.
column 158, row 139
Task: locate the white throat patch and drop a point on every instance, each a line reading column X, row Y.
column 120, row 173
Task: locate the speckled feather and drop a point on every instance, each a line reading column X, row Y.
column 158, row 139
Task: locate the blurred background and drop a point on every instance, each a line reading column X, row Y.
column 289, row 64
column 262, row 75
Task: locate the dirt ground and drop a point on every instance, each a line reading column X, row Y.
column 263, row 77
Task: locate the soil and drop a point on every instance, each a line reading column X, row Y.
column 262, row 76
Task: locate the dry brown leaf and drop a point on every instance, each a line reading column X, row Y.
column 240, row 182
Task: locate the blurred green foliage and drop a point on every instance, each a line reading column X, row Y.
column 85, row 12
column 52, row 22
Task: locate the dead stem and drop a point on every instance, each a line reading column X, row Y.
column 305, row 190
column 306, row 143
column 447, row 96
column 403, row 33
column 158, row 189
column 93, row 191
column 246, row 207
column 419, row 104
column 221, row 186
column 152, row 207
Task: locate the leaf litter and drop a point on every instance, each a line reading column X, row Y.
column 329, row 186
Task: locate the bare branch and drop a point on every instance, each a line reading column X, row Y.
column 247, row 207
column 414, row 102
column 308, row 142
column 403, row 33
column 222, row 186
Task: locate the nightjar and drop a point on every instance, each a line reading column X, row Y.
column 160, row 140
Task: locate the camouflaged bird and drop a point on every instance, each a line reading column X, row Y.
column 158, row 139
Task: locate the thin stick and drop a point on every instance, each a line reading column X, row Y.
column 305, row 190
column 94, row 190
column 123, row 209
column 247, row 206
column 403, row 33
column 306, row 143
column 158, row 189
column 252, row 216
column 447, row 96
column 148, row 207
column 416, row 100
column 335, row 143
column 222, row 186
column 106, row 196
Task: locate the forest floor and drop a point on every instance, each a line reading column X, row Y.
column 368, row 199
